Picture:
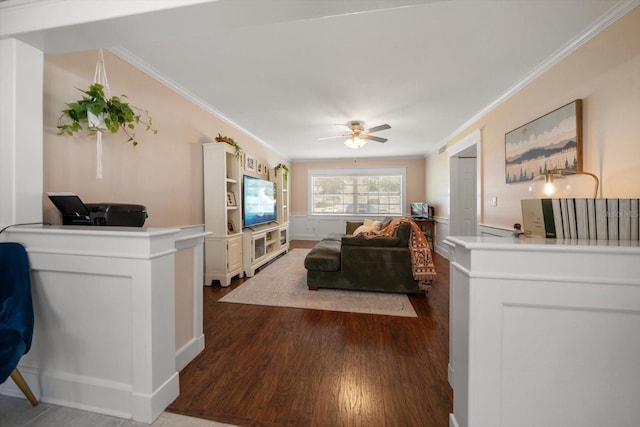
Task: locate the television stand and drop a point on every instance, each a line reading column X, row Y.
column 263, row 244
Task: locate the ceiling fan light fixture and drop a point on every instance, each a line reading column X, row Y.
column 355, row 142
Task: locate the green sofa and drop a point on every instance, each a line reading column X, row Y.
column 344, row 261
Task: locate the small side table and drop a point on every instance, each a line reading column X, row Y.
column 428, row 225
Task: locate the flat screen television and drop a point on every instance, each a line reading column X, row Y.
column 418, row 208
column 258, row 201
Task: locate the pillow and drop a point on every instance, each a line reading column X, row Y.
column 351, row 226
column 375, row 225
column 386, row 222
column 362, row 229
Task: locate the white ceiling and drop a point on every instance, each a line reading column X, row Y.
column 288, row 71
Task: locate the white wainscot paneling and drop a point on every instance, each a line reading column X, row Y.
column 490, row 230
column 592, row 365
column 544, row 332
column 104, row 302
column 62, row 324
column 316, row 227
column 442, row 231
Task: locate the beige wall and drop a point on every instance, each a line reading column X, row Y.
column 605, row 74
column 437, row 185
column 299, row 171
column 164, row 172
column 185, row 304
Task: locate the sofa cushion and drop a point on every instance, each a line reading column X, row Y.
column 336, row 237
column 325, row 256
column 380, row 241
column 351, row 226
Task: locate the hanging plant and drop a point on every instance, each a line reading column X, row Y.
column 231, row 142
column 285, row 170
column 101, row 114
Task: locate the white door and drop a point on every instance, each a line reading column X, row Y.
column 468, row 196
column 464, row 196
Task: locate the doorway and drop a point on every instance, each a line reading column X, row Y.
column 464, row 186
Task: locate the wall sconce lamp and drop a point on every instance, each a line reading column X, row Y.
column 554, row 183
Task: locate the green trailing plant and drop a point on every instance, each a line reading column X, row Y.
column 285, row 170
column 231, row 142
column 112, row 114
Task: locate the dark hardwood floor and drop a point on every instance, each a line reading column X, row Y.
column 272, row 366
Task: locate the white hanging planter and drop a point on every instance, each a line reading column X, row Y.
column 96, row 123
column 98, row 98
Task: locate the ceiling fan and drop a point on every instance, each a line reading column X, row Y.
column 357, row 135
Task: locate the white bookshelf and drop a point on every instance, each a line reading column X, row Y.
column 222, row 180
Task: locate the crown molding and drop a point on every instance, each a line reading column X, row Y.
column 134, row 60
column 24, row 16
column 615, row 13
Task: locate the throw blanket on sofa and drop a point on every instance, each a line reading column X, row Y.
column 423, row 269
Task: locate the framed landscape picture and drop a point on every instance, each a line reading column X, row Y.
column 553, row 141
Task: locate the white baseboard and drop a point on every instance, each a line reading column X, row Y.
column 95, row 394
column 189, row 351
column 75, row 391
column 146, row 407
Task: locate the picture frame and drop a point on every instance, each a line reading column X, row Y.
column 259, row 168
column 231, row 228
column 231, row 199
column 242, row 159
column 552, row 141
column 250, row 164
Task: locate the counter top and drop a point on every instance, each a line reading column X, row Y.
column 532, row 243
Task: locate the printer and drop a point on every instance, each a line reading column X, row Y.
column 75, row 212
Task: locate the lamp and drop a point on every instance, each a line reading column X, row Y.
column 554, row 183
column 355, row 142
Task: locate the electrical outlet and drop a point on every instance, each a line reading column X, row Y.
column 494, row 201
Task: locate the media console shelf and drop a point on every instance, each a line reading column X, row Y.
column 262, row 244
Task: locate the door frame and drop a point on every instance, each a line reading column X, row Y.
column 468, row 147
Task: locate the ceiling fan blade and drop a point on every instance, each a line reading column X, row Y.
column 373, row 138
column 378, row 128
column 332, row 137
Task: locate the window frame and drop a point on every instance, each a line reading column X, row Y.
column 356, row 172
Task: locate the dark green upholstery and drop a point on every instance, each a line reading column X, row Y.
column 325, row 256
column 382, row 241
column 352, row 226
column 380, row 264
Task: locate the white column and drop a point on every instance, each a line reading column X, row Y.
column 21, row 132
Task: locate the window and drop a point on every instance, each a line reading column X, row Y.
column 357, row 191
